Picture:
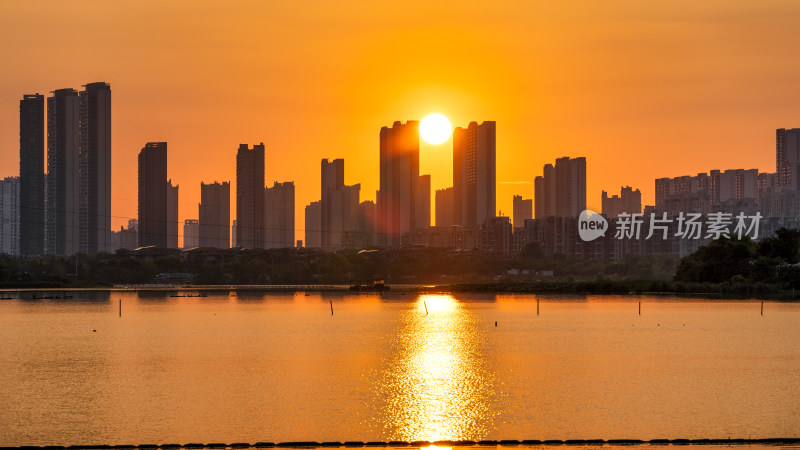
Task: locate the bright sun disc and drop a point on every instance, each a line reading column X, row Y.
column 435, row 129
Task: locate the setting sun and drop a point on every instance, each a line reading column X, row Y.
column 435, row 129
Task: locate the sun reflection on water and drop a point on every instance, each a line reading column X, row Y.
column 435, row 385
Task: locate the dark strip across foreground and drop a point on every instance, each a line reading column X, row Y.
column 511, row 442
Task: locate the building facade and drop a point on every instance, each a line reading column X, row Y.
column 63, row 173
column 338, row 205
column 561, row 189
column 153, row 195
column 95, row 168
column 313, row 224
column 423, row 202
column 399, row 173
column 522, row 210
column 474, row 173
column 787, row 157
column 250, row 196
column 445, row 207
column 628, row 201
column 9, row 216
column 172, row 215
column 214, row 215
column 31, row 171
column 191, row 233
column 279, row 215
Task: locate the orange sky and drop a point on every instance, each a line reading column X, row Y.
column 641, row 89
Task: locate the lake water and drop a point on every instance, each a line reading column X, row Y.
column 279, row 367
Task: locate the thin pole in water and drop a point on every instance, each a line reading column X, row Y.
column 331, row 305
column 426, row 307
column 762, row 307
column 537, row 306
column 640, row 308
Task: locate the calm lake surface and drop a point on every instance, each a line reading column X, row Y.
column 253, row 367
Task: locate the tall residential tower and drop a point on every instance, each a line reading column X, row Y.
column 63, row 173
column 31, row 175
column 153, row 195
column 474, row 173
column 250, row 196
column 215, row 215
column 95, row 168
column 399, row 174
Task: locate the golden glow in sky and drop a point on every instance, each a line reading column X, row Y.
column 435, row 129
column 641, row 89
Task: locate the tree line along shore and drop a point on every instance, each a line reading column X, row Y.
column 738, row 267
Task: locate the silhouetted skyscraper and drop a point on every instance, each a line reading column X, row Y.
column 172, row 215
column 313, row 224
column 31, row 174
column 279, row 215
column 250, row 196
column 63, row 172
column 338, row 205
column 561, row 191
column 95, row 167
column 474, row 173
column 629, row 201
column 331, row 184
column 445, row 208
column 544, row 188
column 522, row 210
column 399, row 171
column 153, row 195
column 215, row 215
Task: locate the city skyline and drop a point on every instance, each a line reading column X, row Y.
column 601, row 84
column 57, row 130
column 560, row 191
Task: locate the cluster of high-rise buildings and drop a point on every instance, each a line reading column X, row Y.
column 264, row 215
column 68, row 209
column 774, row 196
column 401, row 214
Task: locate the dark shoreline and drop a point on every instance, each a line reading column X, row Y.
column 631, row 288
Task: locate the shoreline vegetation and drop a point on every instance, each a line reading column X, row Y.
column 769, row 268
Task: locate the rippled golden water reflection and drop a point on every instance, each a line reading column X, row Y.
column 436, row 385
column 248, row 367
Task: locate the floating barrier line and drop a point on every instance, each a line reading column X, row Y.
column 463, row 443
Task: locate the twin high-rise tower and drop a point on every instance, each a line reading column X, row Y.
column 403, row 207
column 78, row 187
column 471, row 201
column 404, row 195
